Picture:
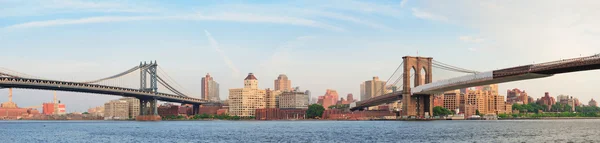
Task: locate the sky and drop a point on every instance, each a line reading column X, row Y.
column 319, row 45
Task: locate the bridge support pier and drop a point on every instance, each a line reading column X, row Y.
column 148, row 110
column 195, row 109
column 417, row 105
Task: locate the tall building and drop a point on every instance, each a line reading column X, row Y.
column 452, row 100
column 210, row 88
column 330, row 98
column 374, row 88
column 282, row 83
column 244, row 101
column 363, row 93
column 349, row 98
column 54, row 108
column 593, row 103
column 293, row 100
column 133, row 106
column 272, row 98
column 116, row 109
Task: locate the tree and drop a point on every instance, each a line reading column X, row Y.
column 85, row 113
column 477, row 112
column 441, row 111
column 314, row 111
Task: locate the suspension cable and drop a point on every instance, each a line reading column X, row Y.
column 169, row 79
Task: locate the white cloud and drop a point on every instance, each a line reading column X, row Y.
column 214, row 44
column 234, row 17
column 48, row 7
column 403, row 2
column 363, row 7
column 426, row 15
column 470, row 39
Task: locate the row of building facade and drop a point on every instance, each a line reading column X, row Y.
column 245, row 101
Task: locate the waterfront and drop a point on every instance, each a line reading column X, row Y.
column 584, row 130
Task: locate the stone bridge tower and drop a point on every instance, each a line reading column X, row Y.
column 416, row 105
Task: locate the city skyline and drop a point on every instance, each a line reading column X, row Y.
column 331, row 45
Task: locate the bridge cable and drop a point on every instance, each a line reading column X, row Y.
column 116, row 76
column 172, row 80
column 386, row 82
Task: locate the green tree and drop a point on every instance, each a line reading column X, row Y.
column 441, row 111
column 477, row 112
column 85, row 113
column 314, row 111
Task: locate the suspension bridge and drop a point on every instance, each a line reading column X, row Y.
column 126, row 84
column 417, row 100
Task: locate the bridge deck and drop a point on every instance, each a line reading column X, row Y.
column 11, row 82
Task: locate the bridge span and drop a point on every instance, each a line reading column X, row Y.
column 147, row 93
column 518, row 73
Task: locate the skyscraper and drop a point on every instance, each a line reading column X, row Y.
column 282, row 83
column 210, row 88
column 244, row 101
column 362, row 92
column 374, row 88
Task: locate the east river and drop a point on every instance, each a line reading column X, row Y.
column 301, row 131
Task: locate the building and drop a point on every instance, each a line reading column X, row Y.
column 547, row 101
column 96, row 111
column 517, row 96
column 374, row 88
column 272, row 98
column 330, row 98
column 293, row 100
column 349, row 99
column 210, row 89
column 363, row 92
column 51, row 109
column 116, row 110
column 282, row 83
column 451, row 100
column 244, row 101
column 168, row 109
column 496, row 104
column 133, row 106
column 593, row 103
column 280, row 114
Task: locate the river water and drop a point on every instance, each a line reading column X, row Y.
column 301, row 131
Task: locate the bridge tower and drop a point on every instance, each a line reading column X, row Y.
column 416, row 105
column 148, row 107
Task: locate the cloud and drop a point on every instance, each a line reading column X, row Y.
column 233, row 17
column 426, row 15
column 343, row 17
column 213, row 43
column 470, row 39
column 363, row 7
column 47, row 7
column 403, row 2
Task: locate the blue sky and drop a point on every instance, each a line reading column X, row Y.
column 333, row 44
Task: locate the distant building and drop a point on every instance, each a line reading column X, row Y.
column 244, row 101
column 363, row 93
column 168, row 109
column 282, row 83
column 593, row 103
column 452, row 100
column 133, row 106
column 547, row 101
column 330, row 98
column 272, row 98
column 97, row 111
column 349, row 99
column 438, row 100
column 49, row 109
column 116, row 110
column 210, row 89
column 517, row 96
column 293, row 100
column 374, row 88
